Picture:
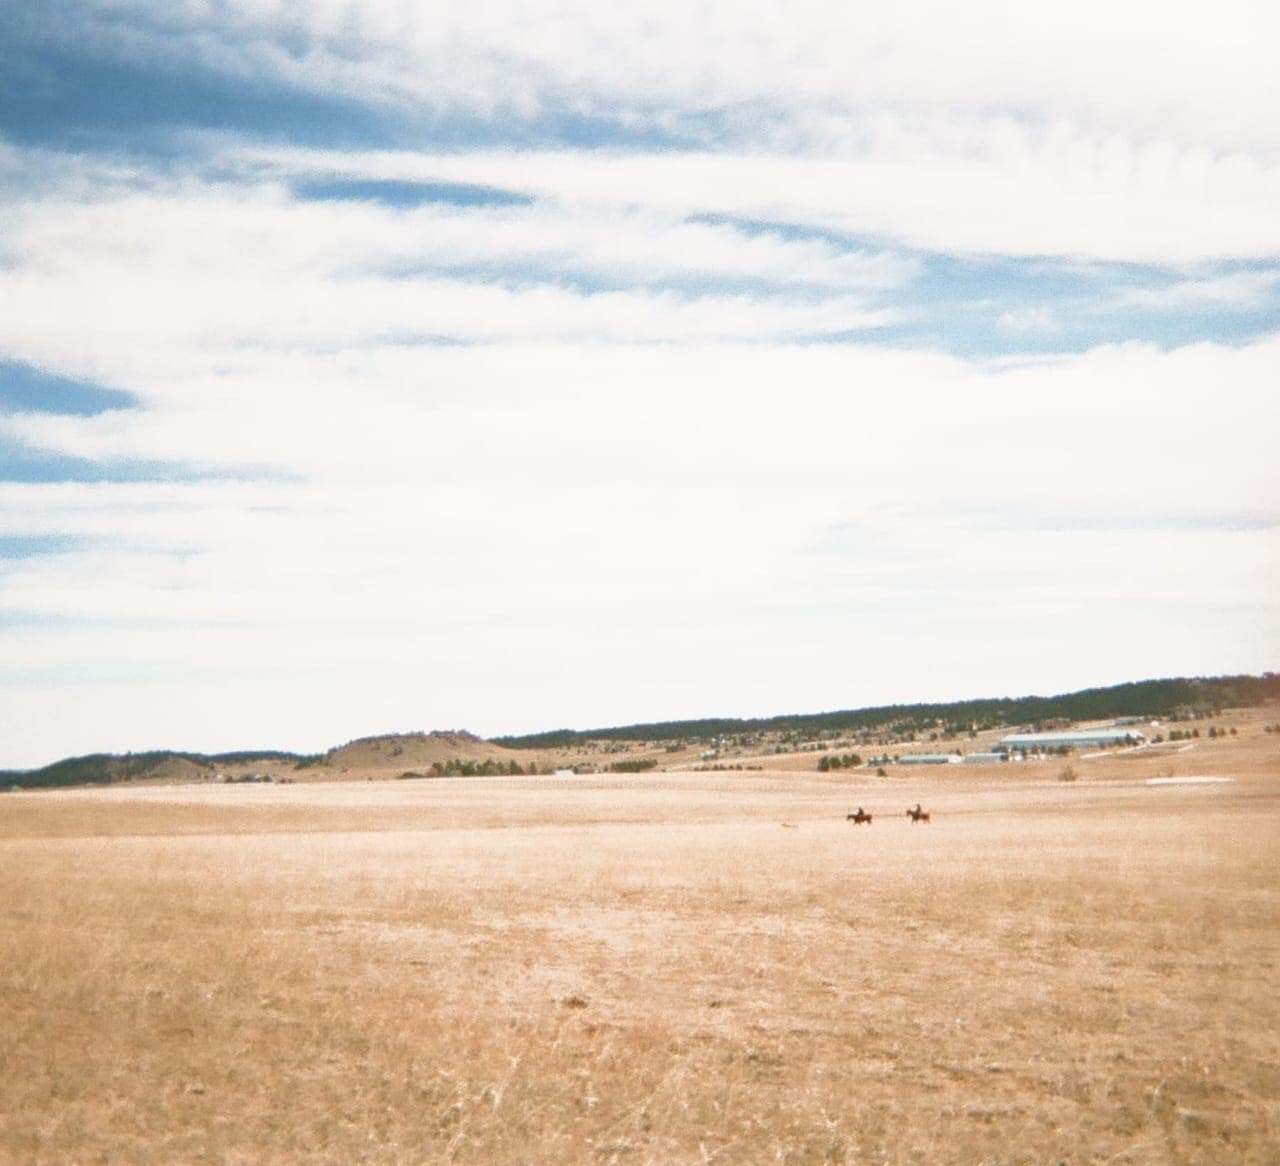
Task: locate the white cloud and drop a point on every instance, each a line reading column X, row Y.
column 627, row 490
column 1054, row 197
column 1035, row 320
column 559, row 483
column 1137, row 133
column 205, row 270
column 1240, row 290
column 257, row 230
column 1141, row 71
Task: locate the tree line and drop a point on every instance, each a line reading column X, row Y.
column 1145, row 699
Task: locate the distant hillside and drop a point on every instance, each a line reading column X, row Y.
column 1147, row 699
column 159, row 765
column 391, row 755
column 442, row 752
column 414, row 751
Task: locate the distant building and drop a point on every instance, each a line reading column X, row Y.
column 1080, row 739
column 985, row 758
column 930, row 759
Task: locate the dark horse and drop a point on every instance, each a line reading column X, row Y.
column 918, row 815
column 858, row 818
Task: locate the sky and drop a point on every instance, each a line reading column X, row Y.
column 520, row 364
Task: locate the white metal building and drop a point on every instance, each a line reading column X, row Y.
column 1078, row 739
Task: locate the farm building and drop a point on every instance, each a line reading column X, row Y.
column 984, row 758
column 1080, row 739
column 929, row 759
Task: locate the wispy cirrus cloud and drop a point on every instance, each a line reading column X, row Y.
column 1032, row 201
column 1234, row 291
column 807, row 66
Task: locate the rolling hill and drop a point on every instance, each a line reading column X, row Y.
column 446, row 752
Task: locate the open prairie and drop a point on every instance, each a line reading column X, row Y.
column 667, row 968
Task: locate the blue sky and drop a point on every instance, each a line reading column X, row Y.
column 365, row 370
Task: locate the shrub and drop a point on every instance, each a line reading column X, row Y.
column 635, row 765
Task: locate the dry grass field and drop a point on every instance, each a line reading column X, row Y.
column 670, row 968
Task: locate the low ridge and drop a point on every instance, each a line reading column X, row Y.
column 443, row 752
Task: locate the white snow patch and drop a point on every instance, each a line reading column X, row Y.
column 1189, row 780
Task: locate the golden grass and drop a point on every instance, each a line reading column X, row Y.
column 644, row 971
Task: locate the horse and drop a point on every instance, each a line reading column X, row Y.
column 918, row 815
column 859, row 818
